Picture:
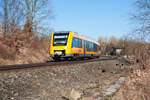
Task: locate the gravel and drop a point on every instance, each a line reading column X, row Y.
column 54, row 83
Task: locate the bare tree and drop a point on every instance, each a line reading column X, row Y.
column 142, row 31
column 36, row 11
column 103, row 42
column 28, row 15
column 11, row 15
column 113, row 40
column 5, row 23
column 141, row 18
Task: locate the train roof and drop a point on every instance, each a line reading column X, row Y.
column 78, row 35
column 85, row 38
column 59, row 32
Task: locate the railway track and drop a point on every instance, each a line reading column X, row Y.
column 52, row 63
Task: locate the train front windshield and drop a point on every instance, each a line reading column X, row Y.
column 60, row 39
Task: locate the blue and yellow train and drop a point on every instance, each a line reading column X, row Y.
column 69, row 45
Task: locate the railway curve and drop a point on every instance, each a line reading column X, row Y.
column 52, row 63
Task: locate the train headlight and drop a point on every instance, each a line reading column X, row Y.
column 65, row 47
column 58, row 53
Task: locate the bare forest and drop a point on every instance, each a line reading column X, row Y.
column 135, row 43
column 23, row 32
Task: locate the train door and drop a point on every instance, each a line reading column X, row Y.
column 84, row 47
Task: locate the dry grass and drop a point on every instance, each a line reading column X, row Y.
column 20, row 49
column 136, row 87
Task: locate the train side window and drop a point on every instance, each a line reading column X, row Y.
column 100, row 48
column 80, row 43
column 87, row 45
column 91, row 46
column 76, row 43
column 95, row 47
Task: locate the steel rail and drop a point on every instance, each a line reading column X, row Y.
column 52, row 63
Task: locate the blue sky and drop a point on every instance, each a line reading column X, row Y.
column 93, row 18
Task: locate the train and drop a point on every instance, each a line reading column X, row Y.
column 71, row 45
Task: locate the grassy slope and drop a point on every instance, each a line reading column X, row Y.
column 17, row 49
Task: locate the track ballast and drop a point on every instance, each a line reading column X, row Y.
column 51, row 63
